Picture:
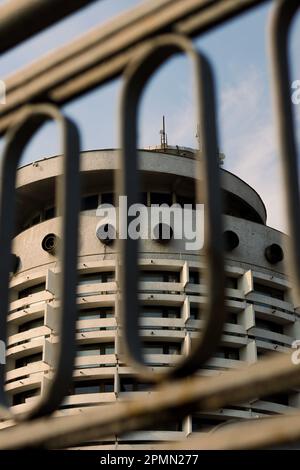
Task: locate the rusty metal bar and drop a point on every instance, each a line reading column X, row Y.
column 170, row 401
column 220, row 12
column 282, row 17
column 103, row 54
column 21, row 19
column 87, row 63
column 263, row 433
column 136, row 76
column 32, row 118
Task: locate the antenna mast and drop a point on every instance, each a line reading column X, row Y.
column 163, row 136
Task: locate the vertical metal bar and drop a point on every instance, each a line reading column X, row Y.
column 279, row 31
column 31, row 119
column 136, row 76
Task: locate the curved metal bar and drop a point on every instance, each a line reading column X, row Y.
column 281, row 20
column 30, row 120
column 152, row 55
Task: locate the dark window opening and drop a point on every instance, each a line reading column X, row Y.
column 95, row 313
column 161, row 348
column 174, row 426
column 269, row 291
column 160, row 312
column 21, row 397
column 205, row 424
column 108, row 198
column 231, row 282
column 130, row 384
column 95, row 349
column 95, row 278
column 186, row 200
column 144, row 199
column 36, row 220
column 269, row 325
column 195, row 313
column 237, row 207
column 92, row 386
column 231, row 318
column 280, row 398
column 160, row 276
column 194, row 277
column 228, row 353
column 160, row 198
column 49, row 213
column 89, row 202
column 24, row 361
column 31, row 290
column 37, row 322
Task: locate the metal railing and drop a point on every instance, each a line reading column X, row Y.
column 134, row 46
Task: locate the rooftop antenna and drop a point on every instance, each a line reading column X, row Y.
column 163, row 136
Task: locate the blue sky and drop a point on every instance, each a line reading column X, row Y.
column 238, row 53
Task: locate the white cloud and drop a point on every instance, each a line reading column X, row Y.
column 248, row 136
column 249, row 141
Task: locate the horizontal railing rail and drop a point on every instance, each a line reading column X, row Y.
column 132, row 47
column 104, row 53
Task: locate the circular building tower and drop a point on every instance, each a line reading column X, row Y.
column 261, row 316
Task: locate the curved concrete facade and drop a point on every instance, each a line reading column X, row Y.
column 261, row 315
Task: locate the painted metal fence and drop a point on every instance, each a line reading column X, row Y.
column 133, row 47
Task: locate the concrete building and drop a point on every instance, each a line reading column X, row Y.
column 261, row 316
